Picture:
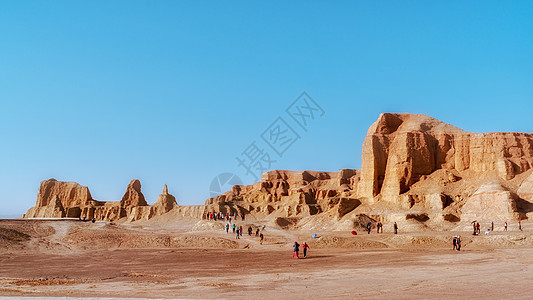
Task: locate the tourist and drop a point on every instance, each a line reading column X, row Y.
column 296, row 250
column 242, row 216
column 238, row 234
column 233, row 226
column 395, row 228
column 227, row 228
column 240, row 229
column 257, row 232
column 250, row 230
column 478, row 227
column 368, row 227
column 492, row 226
column 454, row 242
column 458, row 243
column 505, row 226
column 93, row 220
column 377, row 227
column 261, row 237
column 305, row 247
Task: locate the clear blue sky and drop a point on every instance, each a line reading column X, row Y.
column 101, row 92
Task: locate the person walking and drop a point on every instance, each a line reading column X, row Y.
column 238, row 234
column 296, row 250
column 478, row 227
column 492, row 226
column 227, row 228
column 377, row 227
column 454, row 242
column 458, row 243
column 261, row 237
column 505, row 226
column 240, row 229
column 395, row 228
column 233, row 227
column 257, row 232
column 305, row 247
column 368, row 227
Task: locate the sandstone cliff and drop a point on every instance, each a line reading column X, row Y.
column 57, row 199
column 416, row 171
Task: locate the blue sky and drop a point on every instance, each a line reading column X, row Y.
column 101, row 92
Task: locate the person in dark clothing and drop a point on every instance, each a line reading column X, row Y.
column 261, row 237
column 296, row 250
column 454, row 243
column 305, row 247
column 368, row 227
column 395, row 228
column 257, row 232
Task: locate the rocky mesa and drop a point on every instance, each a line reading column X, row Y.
column 416, row 171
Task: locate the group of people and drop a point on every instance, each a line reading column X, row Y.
column 214, row 216
column 296, row 246
column 238, row 231
column 84, row 218
column 379, row 227
column 477, row 227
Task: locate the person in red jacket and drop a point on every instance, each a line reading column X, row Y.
column 305, row 247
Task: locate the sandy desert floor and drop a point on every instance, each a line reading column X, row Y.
column 75, row 259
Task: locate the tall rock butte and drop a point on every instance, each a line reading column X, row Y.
column 400, row 149
column 416, row 171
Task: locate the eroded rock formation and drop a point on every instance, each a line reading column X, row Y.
column 57, row 199
column 416, row 171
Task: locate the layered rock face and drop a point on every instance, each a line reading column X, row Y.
column 133, row 195
column 57, row 199
column 290, row 194
column 416, row 171
column 400, row 149
column 165, row 203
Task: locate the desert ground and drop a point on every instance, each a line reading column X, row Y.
column 197, row 259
